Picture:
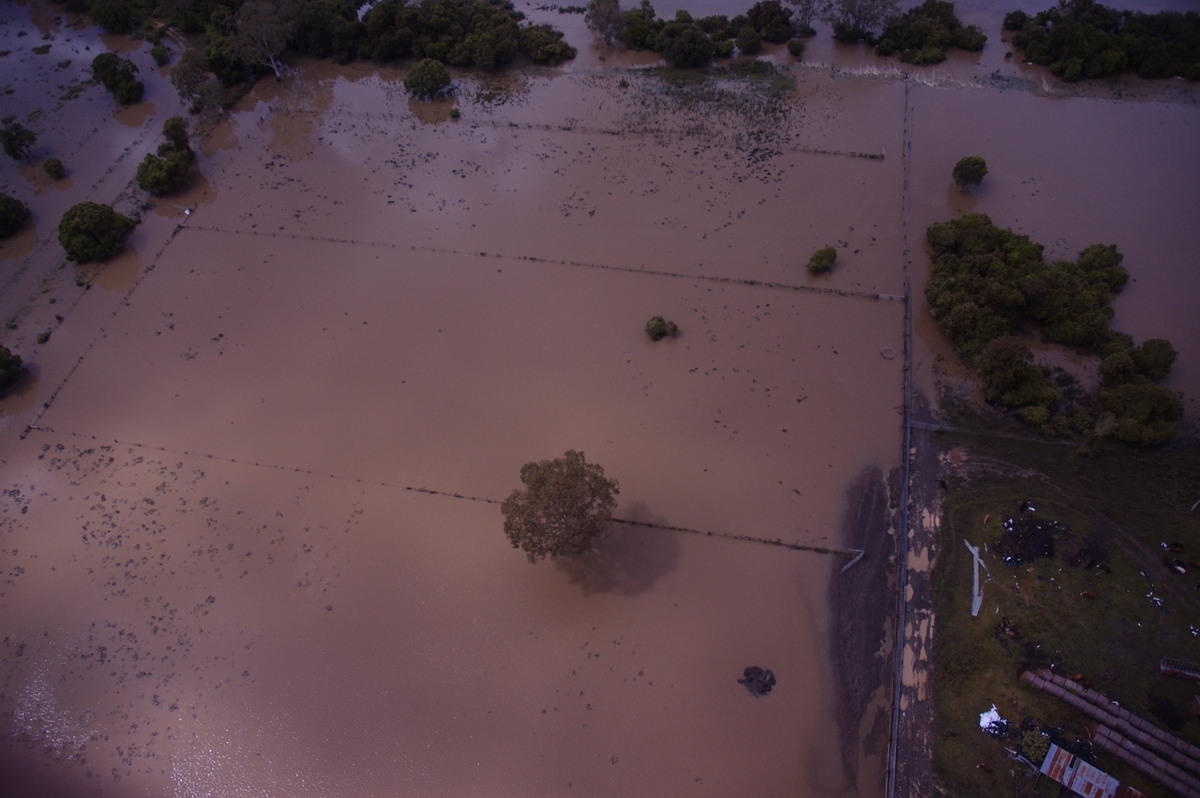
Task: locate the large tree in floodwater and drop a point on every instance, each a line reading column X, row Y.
column 263, row 30
column 567, row 503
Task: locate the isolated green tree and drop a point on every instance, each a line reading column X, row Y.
column 566, row 505
column 427, row 78
column 16, row 139
column 970, row 171
column 93, row 231
column 13, row 215
column 10, row 367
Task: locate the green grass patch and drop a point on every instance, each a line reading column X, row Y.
column 1089, row 615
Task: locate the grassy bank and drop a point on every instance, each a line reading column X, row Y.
column 1105, row 608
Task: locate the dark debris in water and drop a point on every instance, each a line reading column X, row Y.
column 758, row 681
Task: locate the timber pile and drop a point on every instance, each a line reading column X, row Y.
column 1172, row 762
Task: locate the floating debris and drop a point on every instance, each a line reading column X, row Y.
column 758, row 681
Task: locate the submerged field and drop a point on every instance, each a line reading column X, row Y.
column 250, row 540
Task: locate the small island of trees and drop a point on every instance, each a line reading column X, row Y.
column 1083, row 39
column 990, row 288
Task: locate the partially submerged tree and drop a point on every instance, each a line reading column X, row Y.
column 171, row 169
column 262, row 31
column 427, row 79
column 805, row 11
column 858, row 20
column 17, row 139
column 13, row 215
column 119, row 76
column 10, row 367
column 567, row 503
column 604, row 19
column 970, row 171
column 93, row 231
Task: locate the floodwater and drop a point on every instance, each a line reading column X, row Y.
column 251, row 544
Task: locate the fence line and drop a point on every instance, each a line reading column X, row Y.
column 712, row 278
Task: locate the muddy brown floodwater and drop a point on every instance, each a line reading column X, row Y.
column 251, row 542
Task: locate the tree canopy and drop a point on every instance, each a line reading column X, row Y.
column 1083, row 39
column 922, row 34
column 989, row 287
column 566, row 505
column 970, row 171
column 93, row 231
column 10, row 367
column 119, row 76
column 427, row 78
column 16, row 139
column 13, row 215
column 171, row 169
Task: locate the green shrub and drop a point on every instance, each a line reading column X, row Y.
column 93, row 231
column 162, row 176
column 822, row 260
column 658, row 328
column 13, row 215
column 54, row 167
column 796, row 47
column 160, row 54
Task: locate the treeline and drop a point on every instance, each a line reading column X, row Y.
column 244, row 38
column 686, row 41
column 990, row 289
column 1083, row 39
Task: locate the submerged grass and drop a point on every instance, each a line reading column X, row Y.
column 1100, row 624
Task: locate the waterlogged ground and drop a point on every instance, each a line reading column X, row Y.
column 250, row 541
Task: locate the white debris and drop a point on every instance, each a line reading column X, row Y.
column 990, row 718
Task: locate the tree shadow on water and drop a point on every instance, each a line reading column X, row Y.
column 628, row 559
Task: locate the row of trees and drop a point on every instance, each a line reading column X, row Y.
column 245, row 38
column 1084, row 39
column 689, row 42
column 990, row 288
column 920, row 35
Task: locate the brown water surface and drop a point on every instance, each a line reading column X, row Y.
column 251, row 543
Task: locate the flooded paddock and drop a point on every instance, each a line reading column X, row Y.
column 251, row 542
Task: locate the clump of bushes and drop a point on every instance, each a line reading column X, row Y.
column 822, row 260
column 160, row 54
column 1082, row 39
column 54, row 167
column 990, row 285
column 93, row 231
column 171, row 169
column 922, row 34
column 13, row 215
column 658, row 328
column 119, row 76
column 461, row 33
